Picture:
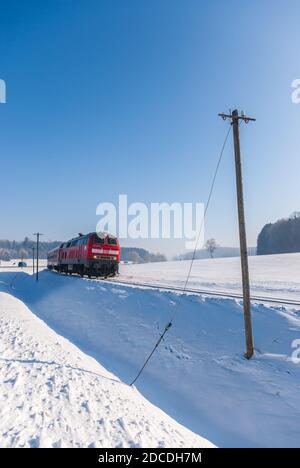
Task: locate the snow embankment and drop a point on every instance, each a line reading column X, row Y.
column 274, row 276
column 54, row 395
column 198, row 375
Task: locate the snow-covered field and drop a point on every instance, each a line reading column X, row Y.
column 198, row 376
column 276, row 276
column 13, row 264
column 54, row 395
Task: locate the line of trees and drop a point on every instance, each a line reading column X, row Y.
column 138, row 255
column 280, row 237
column 23, row 249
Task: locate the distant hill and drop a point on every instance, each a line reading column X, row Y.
column 23, row 249
column 280, row 237
column 220, row 252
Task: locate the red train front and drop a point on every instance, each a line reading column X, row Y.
column 94, row 254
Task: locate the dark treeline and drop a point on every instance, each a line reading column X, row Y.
column 23, row 249
column 136, row 255
column 280, row 237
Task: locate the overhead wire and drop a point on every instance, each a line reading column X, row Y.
column 182, row 292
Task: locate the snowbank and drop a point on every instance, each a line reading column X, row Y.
column 53, row 395
column 198, row 375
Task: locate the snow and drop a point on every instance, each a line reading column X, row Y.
column 276, row 276
column 13, row 264
column 54, row 395
column 198, row 375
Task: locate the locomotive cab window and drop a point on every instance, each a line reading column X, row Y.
column 97, row 240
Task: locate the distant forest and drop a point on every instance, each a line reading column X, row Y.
column 133, row 254
column 280, row 237
column 23, row 249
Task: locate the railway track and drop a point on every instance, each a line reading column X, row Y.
column 200, row 292
column 203, row 292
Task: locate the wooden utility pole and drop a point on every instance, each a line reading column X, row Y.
column 235, row 117
column 37, row 234
column 33, row 260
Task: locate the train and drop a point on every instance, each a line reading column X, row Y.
column 93, row 254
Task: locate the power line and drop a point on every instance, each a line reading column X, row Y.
column 168, row 326
column 205, row 212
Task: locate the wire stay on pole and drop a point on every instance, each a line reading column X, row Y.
column 170, row 323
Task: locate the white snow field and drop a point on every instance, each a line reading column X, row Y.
column 276, row 276
column 54, row 395
column 198, row 375
column 13, row 264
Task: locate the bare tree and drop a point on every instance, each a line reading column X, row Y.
column 211, row 246
column 23, row 254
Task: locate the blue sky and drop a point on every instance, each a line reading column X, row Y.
column 122, row 97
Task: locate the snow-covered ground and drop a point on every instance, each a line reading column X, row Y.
column 198, row 375
column 276, row 276
column 54, row 395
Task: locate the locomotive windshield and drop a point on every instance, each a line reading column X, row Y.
column 97, row 240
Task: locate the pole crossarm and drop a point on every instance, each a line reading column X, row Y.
column 235, row 116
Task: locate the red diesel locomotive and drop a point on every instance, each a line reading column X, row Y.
column 94, row 254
